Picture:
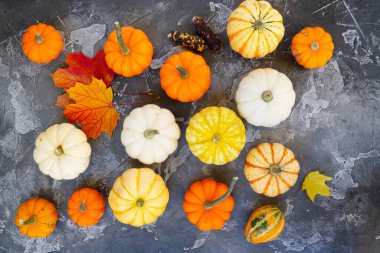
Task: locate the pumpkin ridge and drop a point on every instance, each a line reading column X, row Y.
column 284, row 181
column 244, row 45
column 250, row 165
column 289, row 162
column 246, row 8
column 123, row 211
column 290, row 172
column 232, row 36
column 231, row 19
column 151, row 185
column 262, row 154
column 258, row 178
column 283, row 155
column 278, row 186
column 272, row 151
column 156, row 197
column 267, row 185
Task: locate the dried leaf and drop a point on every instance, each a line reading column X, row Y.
column 314, row 184
column 81, row 69
column 63, row 100
column 93, row 108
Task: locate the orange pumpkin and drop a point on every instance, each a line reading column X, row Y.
column 185, row 77
column 265, row 224
column 128, row 51
column 36, row 218
column 271, row 169
column 312, row 47
column 86, row 207
column 208, row 203
column 42, row 43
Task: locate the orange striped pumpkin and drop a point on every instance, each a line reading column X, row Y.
column 265, row 224
column 255, row 29
column 271, row 169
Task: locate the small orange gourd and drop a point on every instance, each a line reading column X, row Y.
column 264, row 225
column 312, row 47
column 208, row 203
column 86, row 207
column 36, row 218
column 42, row 43
column 185, row 77
column 128, row 51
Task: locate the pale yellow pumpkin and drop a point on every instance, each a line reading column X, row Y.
column 216, row 135
column 138, row 197
column 271, row 169
column 255, row 29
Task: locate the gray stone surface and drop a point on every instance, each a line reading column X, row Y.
column 334, row 128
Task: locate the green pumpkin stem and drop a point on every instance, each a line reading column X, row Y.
column 275, row 169
column 267, row 96
column 208, row 205
column 124, row 48
column 39, row 39
column 150, row 133
column 31, row 221
column 314, row 46
column 83, row 207
column 182, row 72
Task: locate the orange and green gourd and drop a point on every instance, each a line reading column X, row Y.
column 264, row 225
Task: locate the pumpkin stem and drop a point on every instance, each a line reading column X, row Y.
column 124, row 48
column 216, row 138
column 314, row 46
column 267, row 96
column 150, row 133
column 39, row 39
column 208, row 205
column 183, row 72
column 58, row 151
column 140, row 202
column 275, row 169
column 31, row 221
column 257, row 24
column 83, row 207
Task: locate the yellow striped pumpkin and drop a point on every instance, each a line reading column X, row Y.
column 216, row 135
column 271, row 169
column 138, row 197
column 265, row 224
column 255, row 29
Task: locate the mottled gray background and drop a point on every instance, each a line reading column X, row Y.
column 334, row 128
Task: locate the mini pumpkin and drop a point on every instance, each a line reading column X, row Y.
column 185, row 77
column 265, row 97
column 62, row 151
column 86, row 207
column 42, row 43
column 255, row 29
column 271, row 169
column 265, row 224
column 150, row 134
column 312, row 47
column 216, row 135
column 128, row 51
column 138, row 197
column 208, row 204
column 36, row 218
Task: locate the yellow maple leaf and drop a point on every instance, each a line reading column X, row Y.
column 314, row 184
column 93, row 108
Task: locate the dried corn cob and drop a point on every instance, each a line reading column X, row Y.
column 212, row 40
column 191, row 42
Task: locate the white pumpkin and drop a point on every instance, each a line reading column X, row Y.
column 62, row 151
column 150, row 134
column 265, row 97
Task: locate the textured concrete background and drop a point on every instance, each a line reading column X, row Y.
column 334, row 128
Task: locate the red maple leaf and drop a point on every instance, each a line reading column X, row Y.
column 81, row 69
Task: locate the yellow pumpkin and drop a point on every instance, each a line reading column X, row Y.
column 216, row 135
column 255, row 29
column 271, row 169
column 264, row 225
column 138, row 197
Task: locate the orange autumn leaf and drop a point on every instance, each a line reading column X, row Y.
column 63, row 100
column 81, row 69
column 93, row 108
